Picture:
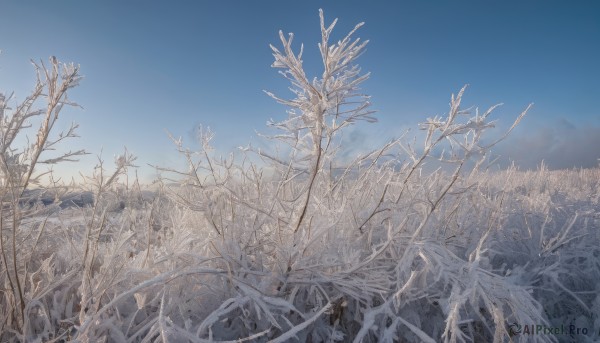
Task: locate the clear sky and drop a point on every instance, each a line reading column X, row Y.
column 152, row 66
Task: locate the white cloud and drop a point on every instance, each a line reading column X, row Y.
column 560, row 145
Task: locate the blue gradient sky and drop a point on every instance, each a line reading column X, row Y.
column 153, row 66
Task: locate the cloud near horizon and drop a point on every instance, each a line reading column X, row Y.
column 560, row 145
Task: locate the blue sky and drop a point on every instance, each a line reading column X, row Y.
column 152, row 66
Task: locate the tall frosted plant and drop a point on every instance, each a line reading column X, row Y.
column 20, row 170
column 323, row 106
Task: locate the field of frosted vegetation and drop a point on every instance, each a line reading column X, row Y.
column 295, row 244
